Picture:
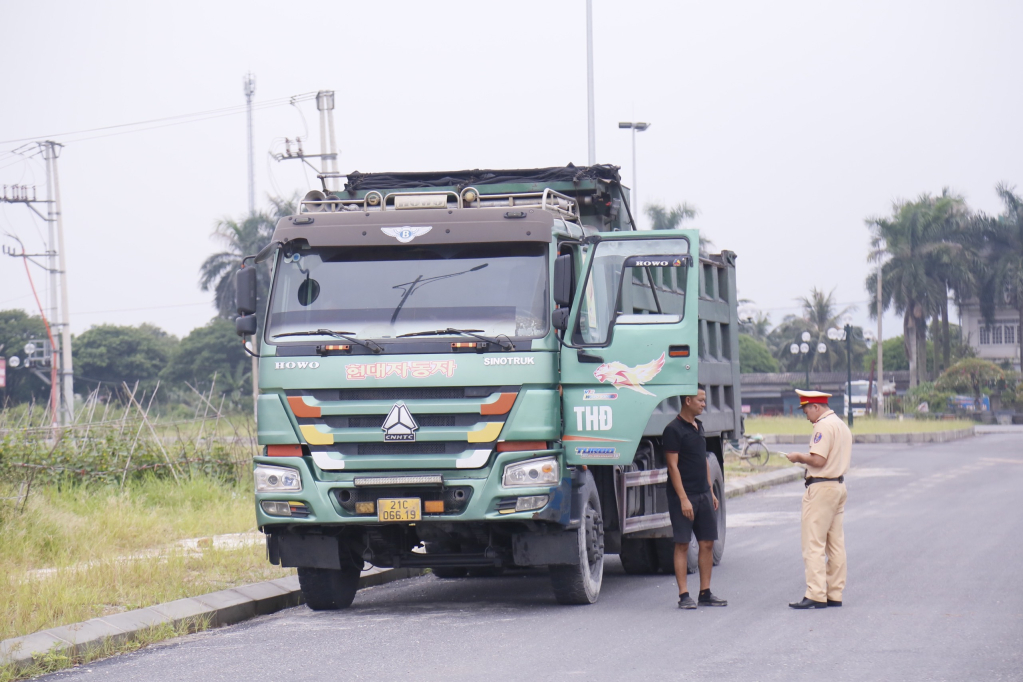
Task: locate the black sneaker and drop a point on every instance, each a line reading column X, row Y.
column 709, row 599
column 686, row 602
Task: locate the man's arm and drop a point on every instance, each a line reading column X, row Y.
column 676, row 482
column 804, row 458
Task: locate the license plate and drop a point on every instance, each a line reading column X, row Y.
column 399, row 509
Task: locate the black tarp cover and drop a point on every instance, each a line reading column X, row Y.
column 381, row 181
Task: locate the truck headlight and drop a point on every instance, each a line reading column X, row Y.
column 532, row 472
column 277, row 479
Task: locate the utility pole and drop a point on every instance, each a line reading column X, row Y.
column 67, row 375
column 62, row 390
column 328, row 144
column 880, row 344
column 591, row 139
column 250, row 92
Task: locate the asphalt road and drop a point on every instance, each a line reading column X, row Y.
column 935, row 542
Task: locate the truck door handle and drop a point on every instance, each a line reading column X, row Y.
column 587, row 358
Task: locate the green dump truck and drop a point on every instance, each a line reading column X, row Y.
column 471, row 371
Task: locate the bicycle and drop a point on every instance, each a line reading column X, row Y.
column 755, row 452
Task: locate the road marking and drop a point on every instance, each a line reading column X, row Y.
column 756, row 519
column 996, row 460
column 867, row 472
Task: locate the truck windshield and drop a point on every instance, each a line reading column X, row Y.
column 382, row 292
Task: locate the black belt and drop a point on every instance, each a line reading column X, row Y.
column 814, row 479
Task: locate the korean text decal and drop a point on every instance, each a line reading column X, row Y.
column 404, row 369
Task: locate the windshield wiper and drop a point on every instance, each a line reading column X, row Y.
column 506, row 344
column 337, row 335
column 420, row 281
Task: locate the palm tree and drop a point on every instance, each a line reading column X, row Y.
column 820, row 315
column 953, row 261
column 1003, row 242
column 662, row 218
column 241, row 239
column 915, row 239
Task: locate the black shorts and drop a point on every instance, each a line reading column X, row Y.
column 705, row 520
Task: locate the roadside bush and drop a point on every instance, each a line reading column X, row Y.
column 927, row 392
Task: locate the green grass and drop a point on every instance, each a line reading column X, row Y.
column 55, row 660
column 800, row 425
column 101, row 525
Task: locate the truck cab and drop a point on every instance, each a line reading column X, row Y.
column 470, row 371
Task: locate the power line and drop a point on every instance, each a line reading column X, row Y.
column 198, row 116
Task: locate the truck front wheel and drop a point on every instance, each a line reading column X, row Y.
column 579, row 583
column 328, row 589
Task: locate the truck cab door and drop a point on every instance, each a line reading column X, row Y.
column 630, row 340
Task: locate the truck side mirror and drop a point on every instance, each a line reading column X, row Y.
column 245, row 325
column 245, row 290
column 564, row 280
column 559, row 318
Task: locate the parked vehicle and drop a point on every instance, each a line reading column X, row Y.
column 471, row 371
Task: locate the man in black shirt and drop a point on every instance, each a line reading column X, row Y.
column 691, row 500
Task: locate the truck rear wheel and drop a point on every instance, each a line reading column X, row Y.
column 638, row 556
column 718, row 479
column 328, row 589
column 579, row 583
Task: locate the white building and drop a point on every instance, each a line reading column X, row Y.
column 996, row 342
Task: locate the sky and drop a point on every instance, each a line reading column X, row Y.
column 787, row 124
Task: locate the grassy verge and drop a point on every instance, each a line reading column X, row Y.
column 737, row 468
column 54, row 660
column 90, row 535
column 861, row 425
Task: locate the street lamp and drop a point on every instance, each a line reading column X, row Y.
column 845, row 333
column 637, row 127
column 804, row 350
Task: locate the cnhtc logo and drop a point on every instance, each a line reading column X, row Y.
column 399, row 424
column 407, row 233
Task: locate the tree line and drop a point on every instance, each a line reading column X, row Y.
column 936, row 248
column 106, row 356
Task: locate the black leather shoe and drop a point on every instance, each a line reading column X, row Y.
column 686, row 602
column 832, row 602
column 809, row 604
column 710, row 600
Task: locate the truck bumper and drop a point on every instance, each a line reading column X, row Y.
column 331, row 502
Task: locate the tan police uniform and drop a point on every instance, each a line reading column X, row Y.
column 823, row 538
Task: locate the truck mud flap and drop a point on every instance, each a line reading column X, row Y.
column 307, row 551
column 546, row 549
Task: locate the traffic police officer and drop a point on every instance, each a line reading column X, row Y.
column 824, row 502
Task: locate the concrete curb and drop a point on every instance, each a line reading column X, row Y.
column 767, row 479
column 225, row 607
column 923, row 437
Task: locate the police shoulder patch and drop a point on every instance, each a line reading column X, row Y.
column 817, row 437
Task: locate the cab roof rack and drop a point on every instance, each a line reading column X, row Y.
column 562, row 205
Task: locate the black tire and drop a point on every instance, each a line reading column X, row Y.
column 665, row 550
column 639, row 557
column 580, row 583
column 757, row 454
column 718, row 480
column 327, row 589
